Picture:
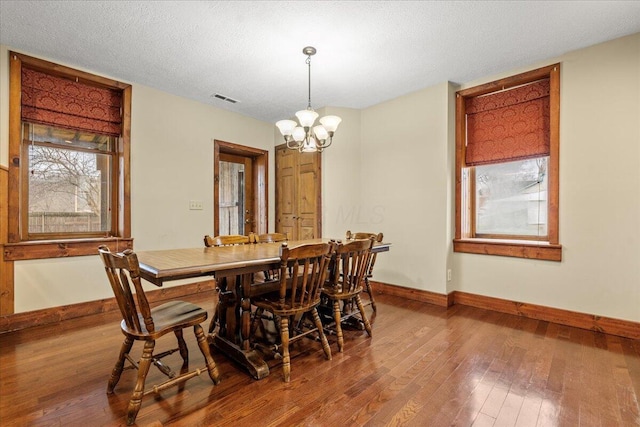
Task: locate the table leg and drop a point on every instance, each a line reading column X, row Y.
column 234, row 320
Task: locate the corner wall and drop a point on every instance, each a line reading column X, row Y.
column 599, row 195
column 405, row 186
column 171, row 163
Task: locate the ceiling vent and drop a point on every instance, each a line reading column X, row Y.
column 225, row 98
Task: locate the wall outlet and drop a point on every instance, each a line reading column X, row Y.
column 448, row 275
column 195, row 205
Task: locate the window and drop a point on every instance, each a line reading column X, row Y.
column 69, row 159
column 68, row 189
column 507, row 143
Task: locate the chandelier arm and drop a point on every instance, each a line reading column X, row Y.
column 294, row 147
column 324, row 144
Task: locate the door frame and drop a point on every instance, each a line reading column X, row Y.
column 260, row 160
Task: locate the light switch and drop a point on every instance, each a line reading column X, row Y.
column 195, row 205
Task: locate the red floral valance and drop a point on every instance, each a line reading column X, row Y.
column 508, row 125
column 56, row 101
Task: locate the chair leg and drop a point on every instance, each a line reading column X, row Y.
column 257, row 318
column 370, row 292
column 367, row 325
column 257, row 322
column 143, row 370
column 184, row 351
column 206, row 352
column 117, row 369
column 336, row 319
column 323, row 337
column 284, row 337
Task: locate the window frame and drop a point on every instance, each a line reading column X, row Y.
column 465, row 241
column 20, row 245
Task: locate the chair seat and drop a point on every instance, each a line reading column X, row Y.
column 336, row 292
column 168, row 317
column 140, row 322
column 272, row 303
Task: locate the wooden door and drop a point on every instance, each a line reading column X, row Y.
column 298, row 194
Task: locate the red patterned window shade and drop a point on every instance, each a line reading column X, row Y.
column 56, row 101
column 508, row 125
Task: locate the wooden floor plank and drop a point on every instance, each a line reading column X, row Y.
column 424, row 365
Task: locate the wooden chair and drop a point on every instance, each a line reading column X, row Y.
column 378, row 238
column 298, row 297
column 225, row 294
column 227, row 240
column 347, row 273
column 270, row 237
column 142, row 323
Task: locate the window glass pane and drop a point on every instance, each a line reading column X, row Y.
column 511, row 198
column 231, row 204
column 70, row 138
column 69, row 182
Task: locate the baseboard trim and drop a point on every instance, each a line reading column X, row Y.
column 607, row 325
column 17, row 321
column 412, row 294
column 592, row 322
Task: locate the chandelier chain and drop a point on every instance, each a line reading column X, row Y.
column 305, row 137
column 308, row 61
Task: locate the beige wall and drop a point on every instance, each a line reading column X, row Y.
column 405, row 186
column 341, row 205
column 599, row 195
column 171, row 163
column 391, row 169
column 408, row 168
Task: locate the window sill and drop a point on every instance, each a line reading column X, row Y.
column 510, row 248
column 62, row 248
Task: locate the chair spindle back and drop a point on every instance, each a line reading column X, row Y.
column 305, row 269
column 376, row 237
column 123, row 271
column 226, row 240
column 351, row 264
column 269, row 237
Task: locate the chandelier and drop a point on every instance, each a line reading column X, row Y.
column 306, row 137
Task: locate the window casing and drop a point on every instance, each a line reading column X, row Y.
column 68, row 187
column 507, row 196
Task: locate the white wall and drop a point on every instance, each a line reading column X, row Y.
column 171, row 163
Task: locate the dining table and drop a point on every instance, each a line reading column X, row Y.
column 233, row 268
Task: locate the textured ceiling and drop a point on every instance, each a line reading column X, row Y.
column 251, row 51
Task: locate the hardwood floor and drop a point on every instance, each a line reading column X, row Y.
column 424, row 366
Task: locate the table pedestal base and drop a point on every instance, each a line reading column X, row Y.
column 251, row 360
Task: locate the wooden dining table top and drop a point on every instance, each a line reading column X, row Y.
column 158, row 266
